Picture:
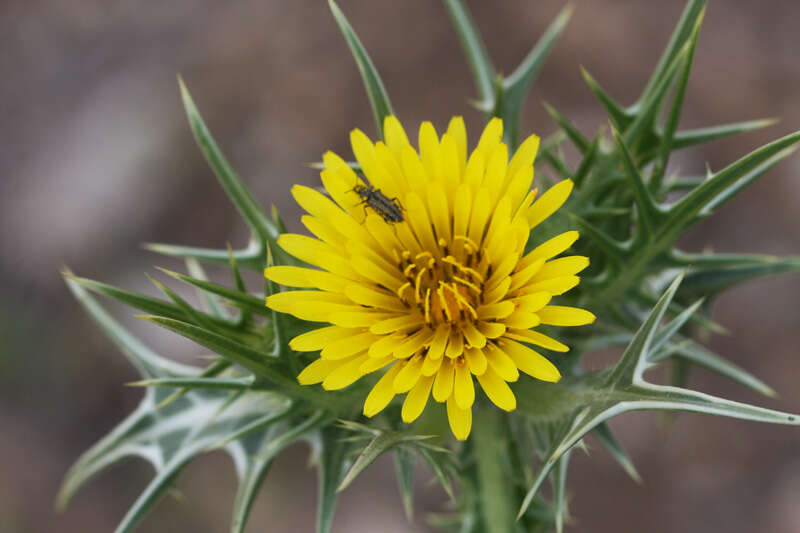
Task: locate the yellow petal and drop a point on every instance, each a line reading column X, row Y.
column 563, row 266
column 429, row 150
column 431, row 366
column 417, row 216
column 413, row 344
column 551, row 247
column 439, row 342
column 347, row 374
column 554, row 286
column 558, row 315
column 476, row 360
column 531, row 303
column 524, row 156
column 382, row 393
column 549, row 202
column 358, row 318
column 521, row 320
column 397, row 324
column 416, row 399
column 531, row 362
column 463, row 388
column 408, row 375
column 502, row 363
column 339, row 349
column 496, row 310
column 479, row 215
column 491, row 330
column 370, row 297
column 386, row 345
column 439, row 210
column 374, row 363
column 396, row 138
column 318, row 338
column 458, row 132
column 460, row 419
column 474, row 337
column 534, row 337
column 455, row 344
column 317, row 371
column 443, row 386
column 497, row 390
column 491, row 135
column 292, row 276
column 371, row 271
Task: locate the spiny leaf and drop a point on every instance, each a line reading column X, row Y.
column 719, row 187
column 605, row 437
column 147, row 362
column 235, row 297
column 210, row 300
column 517, row 85
column 251, row 257
column 674, row 115
column 330, row 456
column 378, row 99
column 404, row 466
column 382, row 443
column 712, row 273
column 559, row 492
column 475, row 50
column 621, row 117
column 650, row 215
column 233, row 185
column 680, row 35
column 568, row 128
column 197, row 383
column 693, row 137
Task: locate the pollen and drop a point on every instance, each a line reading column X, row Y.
column 443, row 292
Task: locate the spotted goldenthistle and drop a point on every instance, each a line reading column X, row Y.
column 441, row 267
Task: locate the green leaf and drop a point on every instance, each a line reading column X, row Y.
column 568, row 128
column 607, row 439
column 148, row 363
column 210, row 301
column 233, row 185
column 475, row 50
column 681, row 34
column 330, row 455
column 235, row 297
column 559, row 492
column 650, row 215
column 378, row 99
column 578, row 405
column 251, row 257
column 721, row 186
column 686, row 138
column 667, row 137
column 621, row 117
column 518, row 83
column 404, row 466
column 712, row 273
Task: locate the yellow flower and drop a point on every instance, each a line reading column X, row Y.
column 443, row 295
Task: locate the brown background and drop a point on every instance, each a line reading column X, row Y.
column 95, row 157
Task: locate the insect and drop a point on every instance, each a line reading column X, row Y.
column 388, row 208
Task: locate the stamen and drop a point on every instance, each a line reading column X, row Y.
column 445, row 307
column 410, row 268
column 402, row 289
column 428, row 306
column 468, row 284
column 418, row 285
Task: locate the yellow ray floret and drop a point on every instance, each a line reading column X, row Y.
column 442, row 298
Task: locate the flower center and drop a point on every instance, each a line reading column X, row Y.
column 446, row 286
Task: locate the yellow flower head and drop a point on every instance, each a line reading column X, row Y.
column 424, row 275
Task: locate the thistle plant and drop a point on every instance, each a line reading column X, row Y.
column 443, row 304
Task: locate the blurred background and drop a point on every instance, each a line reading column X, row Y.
column 96, row 157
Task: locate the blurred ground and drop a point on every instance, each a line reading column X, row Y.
column 95, row 157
